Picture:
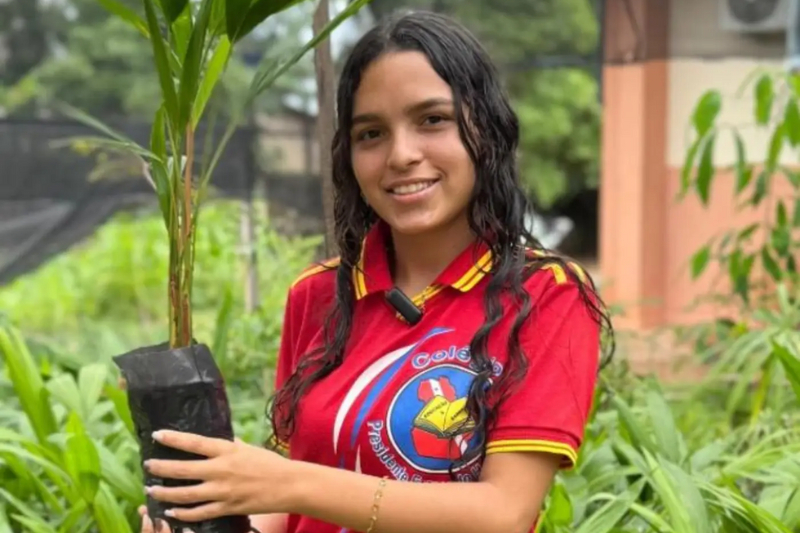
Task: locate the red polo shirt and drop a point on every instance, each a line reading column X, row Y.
column 391, row 408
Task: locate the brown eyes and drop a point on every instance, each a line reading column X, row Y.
column 374, row 133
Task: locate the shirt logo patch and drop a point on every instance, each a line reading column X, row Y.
column 408, row 410
column 427, row 421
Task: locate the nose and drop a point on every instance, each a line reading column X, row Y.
column 405, row 151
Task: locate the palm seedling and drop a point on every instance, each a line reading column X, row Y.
column 177, row 385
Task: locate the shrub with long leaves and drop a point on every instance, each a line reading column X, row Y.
column 192, row 43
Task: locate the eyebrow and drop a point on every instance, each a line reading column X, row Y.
column 415, row 108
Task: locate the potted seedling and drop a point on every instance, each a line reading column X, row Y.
column 177, row 384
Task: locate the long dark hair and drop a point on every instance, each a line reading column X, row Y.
column 496, row 212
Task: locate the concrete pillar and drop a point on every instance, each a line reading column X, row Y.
column 634, row 160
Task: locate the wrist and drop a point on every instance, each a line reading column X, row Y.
column 296, row 484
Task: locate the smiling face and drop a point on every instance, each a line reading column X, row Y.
column 407, row 155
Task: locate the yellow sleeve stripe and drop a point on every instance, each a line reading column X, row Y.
column 359, row 281
column 311, row 271
column 558, row 272
column 530, row 445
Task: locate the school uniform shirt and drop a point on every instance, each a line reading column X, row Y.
column 395, row 405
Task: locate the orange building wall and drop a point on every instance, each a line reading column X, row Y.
column 647, row 237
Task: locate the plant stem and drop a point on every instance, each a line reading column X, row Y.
column 186, row 244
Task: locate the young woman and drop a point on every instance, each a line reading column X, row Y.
column 453, row 414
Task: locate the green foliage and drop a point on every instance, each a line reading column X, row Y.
column 190, row 58
column 67, row 461
column 771, row 244
column 760, row 342
column 95, row 56
column 106, row 297
column 655, row 458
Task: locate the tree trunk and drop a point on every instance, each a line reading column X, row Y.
column 323, row 63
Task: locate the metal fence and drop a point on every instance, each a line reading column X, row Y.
column 52, row 195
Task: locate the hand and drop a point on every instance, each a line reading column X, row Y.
column 236, row 479
column 147, row 524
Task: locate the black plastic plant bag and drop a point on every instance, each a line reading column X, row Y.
column 180, row 389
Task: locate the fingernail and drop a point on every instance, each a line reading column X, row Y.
column 157, row 435
column 148, row 490
column 170, row 513
column 160, row 524
column 146, row 464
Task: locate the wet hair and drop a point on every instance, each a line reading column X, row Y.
column 497, row 213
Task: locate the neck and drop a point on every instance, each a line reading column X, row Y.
column 419, row 259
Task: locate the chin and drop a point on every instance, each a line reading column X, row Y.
column 413, row 227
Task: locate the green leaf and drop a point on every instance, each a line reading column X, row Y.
column 747, row 232
column 64, row 389
column 688, row 165
column 764, row 98
column 706, row 111
column 115, row 7
column 775, row 147
column 705, row 171
column 125, row 481
column 790, row 364
column 216, row 66
column 173, row 8
column 739, row 266
column 81, row 459
column 223, row 325
column 791, row 122
column 791, row 264
column 91, row 380
column 90, row 143
column 638, row 435
column 667, row 436
column 108, row 513
column 691, row 500
column 781, row 240
column 700, row 261
column 30, row 518
column 235, row 13
column 559, row 507
column 162, row 63
column 158, row 171
column 782, row 216
column 744, row 172
column 85, row 118
column 192, row 65
column 796, row 217
column 259, row 11
column 182, row 32
column 793, row 177
column 120, row 400
column 607, row 517
column 27, row 384
column 217, row 24
column 770, row 265
column 761, row 188
column 271, row 68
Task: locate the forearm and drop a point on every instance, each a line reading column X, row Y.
column 345, row 498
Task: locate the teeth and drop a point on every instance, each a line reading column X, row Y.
column 412, row 188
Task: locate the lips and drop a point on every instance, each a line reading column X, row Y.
column 412, row 188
